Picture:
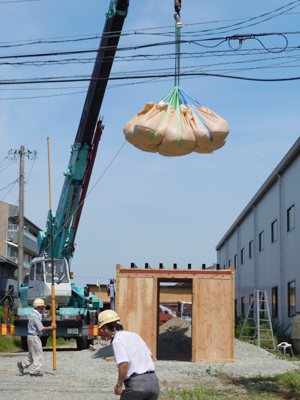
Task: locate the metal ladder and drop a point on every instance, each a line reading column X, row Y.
column 258, row 308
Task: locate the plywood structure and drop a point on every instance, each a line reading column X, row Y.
column 212, row 308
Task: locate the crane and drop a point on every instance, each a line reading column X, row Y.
column 76, row 306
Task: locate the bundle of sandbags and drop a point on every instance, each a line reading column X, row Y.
column 176, row 127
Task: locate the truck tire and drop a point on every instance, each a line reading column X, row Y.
column 82, row 343
column 44, row 340
column 24, row 343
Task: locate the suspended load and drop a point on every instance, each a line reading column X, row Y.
column 176, row 126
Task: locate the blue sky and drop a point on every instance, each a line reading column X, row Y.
column 149, row 208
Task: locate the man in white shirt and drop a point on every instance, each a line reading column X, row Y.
column 35, row 329
column 133, row 358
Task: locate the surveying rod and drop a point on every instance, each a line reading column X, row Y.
column 52, row 264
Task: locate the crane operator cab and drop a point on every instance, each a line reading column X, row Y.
column 59, row 272
column 40, row 281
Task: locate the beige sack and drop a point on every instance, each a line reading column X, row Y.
column 128, row 129
column 155, row 128
column 178, row 142
column 217, row 127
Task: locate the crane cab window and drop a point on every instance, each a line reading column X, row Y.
column 32, row 272
column 39, row 276
column 59, row 272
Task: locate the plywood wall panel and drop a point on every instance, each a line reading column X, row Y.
column 135, row 306
column 213, row 322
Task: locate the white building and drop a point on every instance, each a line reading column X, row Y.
column 263, row 243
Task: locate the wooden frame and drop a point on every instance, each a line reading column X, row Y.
column 212, row 308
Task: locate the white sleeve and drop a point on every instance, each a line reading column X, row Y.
column 120, row 352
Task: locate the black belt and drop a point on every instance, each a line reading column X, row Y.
column 126, row 381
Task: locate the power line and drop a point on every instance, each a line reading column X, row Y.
column 75, row 38
column 18, row 1
column 127, row 77
column 156, row 44
column 12, row 183
column 152, row 57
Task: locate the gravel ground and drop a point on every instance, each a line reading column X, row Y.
column 81, row 373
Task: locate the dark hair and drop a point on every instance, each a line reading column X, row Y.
column 113, row 325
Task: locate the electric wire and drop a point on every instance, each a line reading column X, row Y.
column 87, row 195
column 6, row 166
column 75, row 38
column 19, row 1
column 12, row 183
column 131, row 77
column 150, row 57
column 262, row 160
column 149, row 45
column 34, row 160
column 9, row 190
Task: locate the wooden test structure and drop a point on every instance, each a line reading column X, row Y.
column 137, row 303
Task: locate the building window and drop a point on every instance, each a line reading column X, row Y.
column 291, row 218
column 274, row 302
column 251, row 311
column 261, row 241
column 291, row 299
column 229, row 263
column 243, row 305
column 274, row 231
column 243, row 255
column 251, row 249
column 235, row 260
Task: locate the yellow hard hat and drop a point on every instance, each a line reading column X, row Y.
column 39, row 303
column 106, row 317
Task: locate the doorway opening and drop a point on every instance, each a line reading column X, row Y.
column 174, row 318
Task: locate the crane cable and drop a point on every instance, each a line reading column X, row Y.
column 178, row 26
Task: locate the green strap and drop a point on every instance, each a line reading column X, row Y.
column 177, row 55
column 175, row 103
column 164, row 98
column 165, row 113
column 178, row 119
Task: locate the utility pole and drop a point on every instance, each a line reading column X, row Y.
column 31, row 155
column 21, row 217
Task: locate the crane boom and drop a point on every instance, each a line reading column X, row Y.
column 105, row 56
column 66, row 219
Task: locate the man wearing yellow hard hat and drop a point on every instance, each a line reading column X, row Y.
column 133, row 358
column 35, row 329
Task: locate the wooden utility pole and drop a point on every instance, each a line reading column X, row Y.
column 31, row 155
column 21, row 219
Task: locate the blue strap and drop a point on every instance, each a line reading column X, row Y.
column 191, row 105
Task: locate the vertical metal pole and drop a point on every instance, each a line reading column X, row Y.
column 52, row 266
column 258, row 316
column 21, row 221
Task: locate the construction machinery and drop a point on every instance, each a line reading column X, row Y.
column 77, row 309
